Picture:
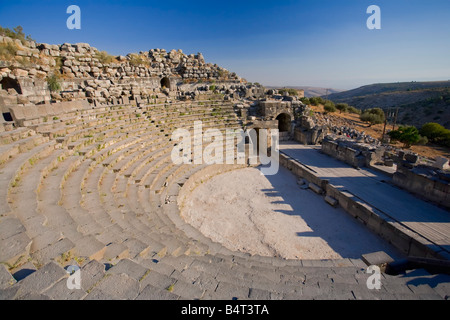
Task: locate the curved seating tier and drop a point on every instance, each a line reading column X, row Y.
column 97, row 188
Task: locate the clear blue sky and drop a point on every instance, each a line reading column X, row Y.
column 306, row 42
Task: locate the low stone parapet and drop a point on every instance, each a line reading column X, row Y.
column 403, row 238
column 351, row 152
column 425, row 181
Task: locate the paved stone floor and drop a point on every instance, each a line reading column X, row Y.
column 427, row 219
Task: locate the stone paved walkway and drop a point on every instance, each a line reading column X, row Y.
column 424, row 218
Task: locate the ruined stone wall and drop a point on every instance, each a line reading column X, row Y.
column 87, row 73
column 351, row 152
column 270, row 109
column 425, row 181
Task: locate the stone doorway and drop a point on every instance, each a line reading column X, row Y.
column 165, row 83
column 284, row 122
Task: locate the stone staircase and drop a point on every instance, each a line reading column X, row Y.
column 97, row 188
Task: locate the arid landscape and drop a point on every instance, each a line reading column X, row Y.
column 417, row 102
column 352, row 120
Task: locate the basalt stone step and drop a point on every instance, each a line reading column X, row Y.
column 56, row 250
column 158, row 280
column 129, row 267
column 186, row 290
column 44, row 239
column 116, row 251
column 155, row 264
column 151, row 292
column 227, row 291
column 179, row 263
column 136, row 248
column 60, row 291
column 14, row 242
column 91, row 274
column 6, row 279
column 90, row 247
column 41, row 280
column 115, row 287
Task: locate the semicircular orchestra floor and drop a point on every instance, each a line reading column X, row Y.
column 270, row 215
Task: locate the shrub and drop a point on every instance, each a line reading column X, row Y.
column 53, row 83
column 16, row 33
column 436, row 133
column 58, row 63
column 422, row 141
column 408, row 135
column 433, row 131
column 373, row 116
column 352, row 109
column 136, row 60
column 290, row 91
column 329, row 106
column 342, row 107
column 315, row 101
column 104, row 58
column 305, row 100
column 7, row 51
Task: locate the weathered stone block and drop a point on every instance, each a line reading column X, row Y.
column 42, row 279
column 379, row 258
column 314, row 187
column 331, row 201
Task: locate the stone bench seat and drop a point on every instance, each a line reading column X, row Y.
column 8, row 151
column 11, row 136
column 108, row 194
column 24, row 205
column 12, row 170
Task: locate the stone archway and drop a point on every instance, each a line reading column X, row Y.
column 165, row 83
column 284, row 122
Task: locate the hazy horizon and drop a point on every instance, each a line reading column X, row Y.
column 294, row 43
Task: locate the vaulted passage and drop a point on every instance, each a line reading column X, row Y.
column 284, row 122
column 7, row 116
column 165, row 83
column 9, row 83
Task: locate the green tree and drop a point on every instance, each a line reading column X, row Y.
column 352, row 109
column 305, row 100
column 290, row 91
column 433, row 131
column 373, row 116
column 315, row 101
column 16, row 33
column 329, row 106
column 342, row 107
column 408, row 135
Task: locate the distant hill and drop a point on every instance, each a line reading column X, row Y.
column 418, row 102
column 310, row 91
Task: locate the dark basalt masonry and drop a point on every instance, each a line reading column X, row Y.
column 86, row 179
column 86, row 73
